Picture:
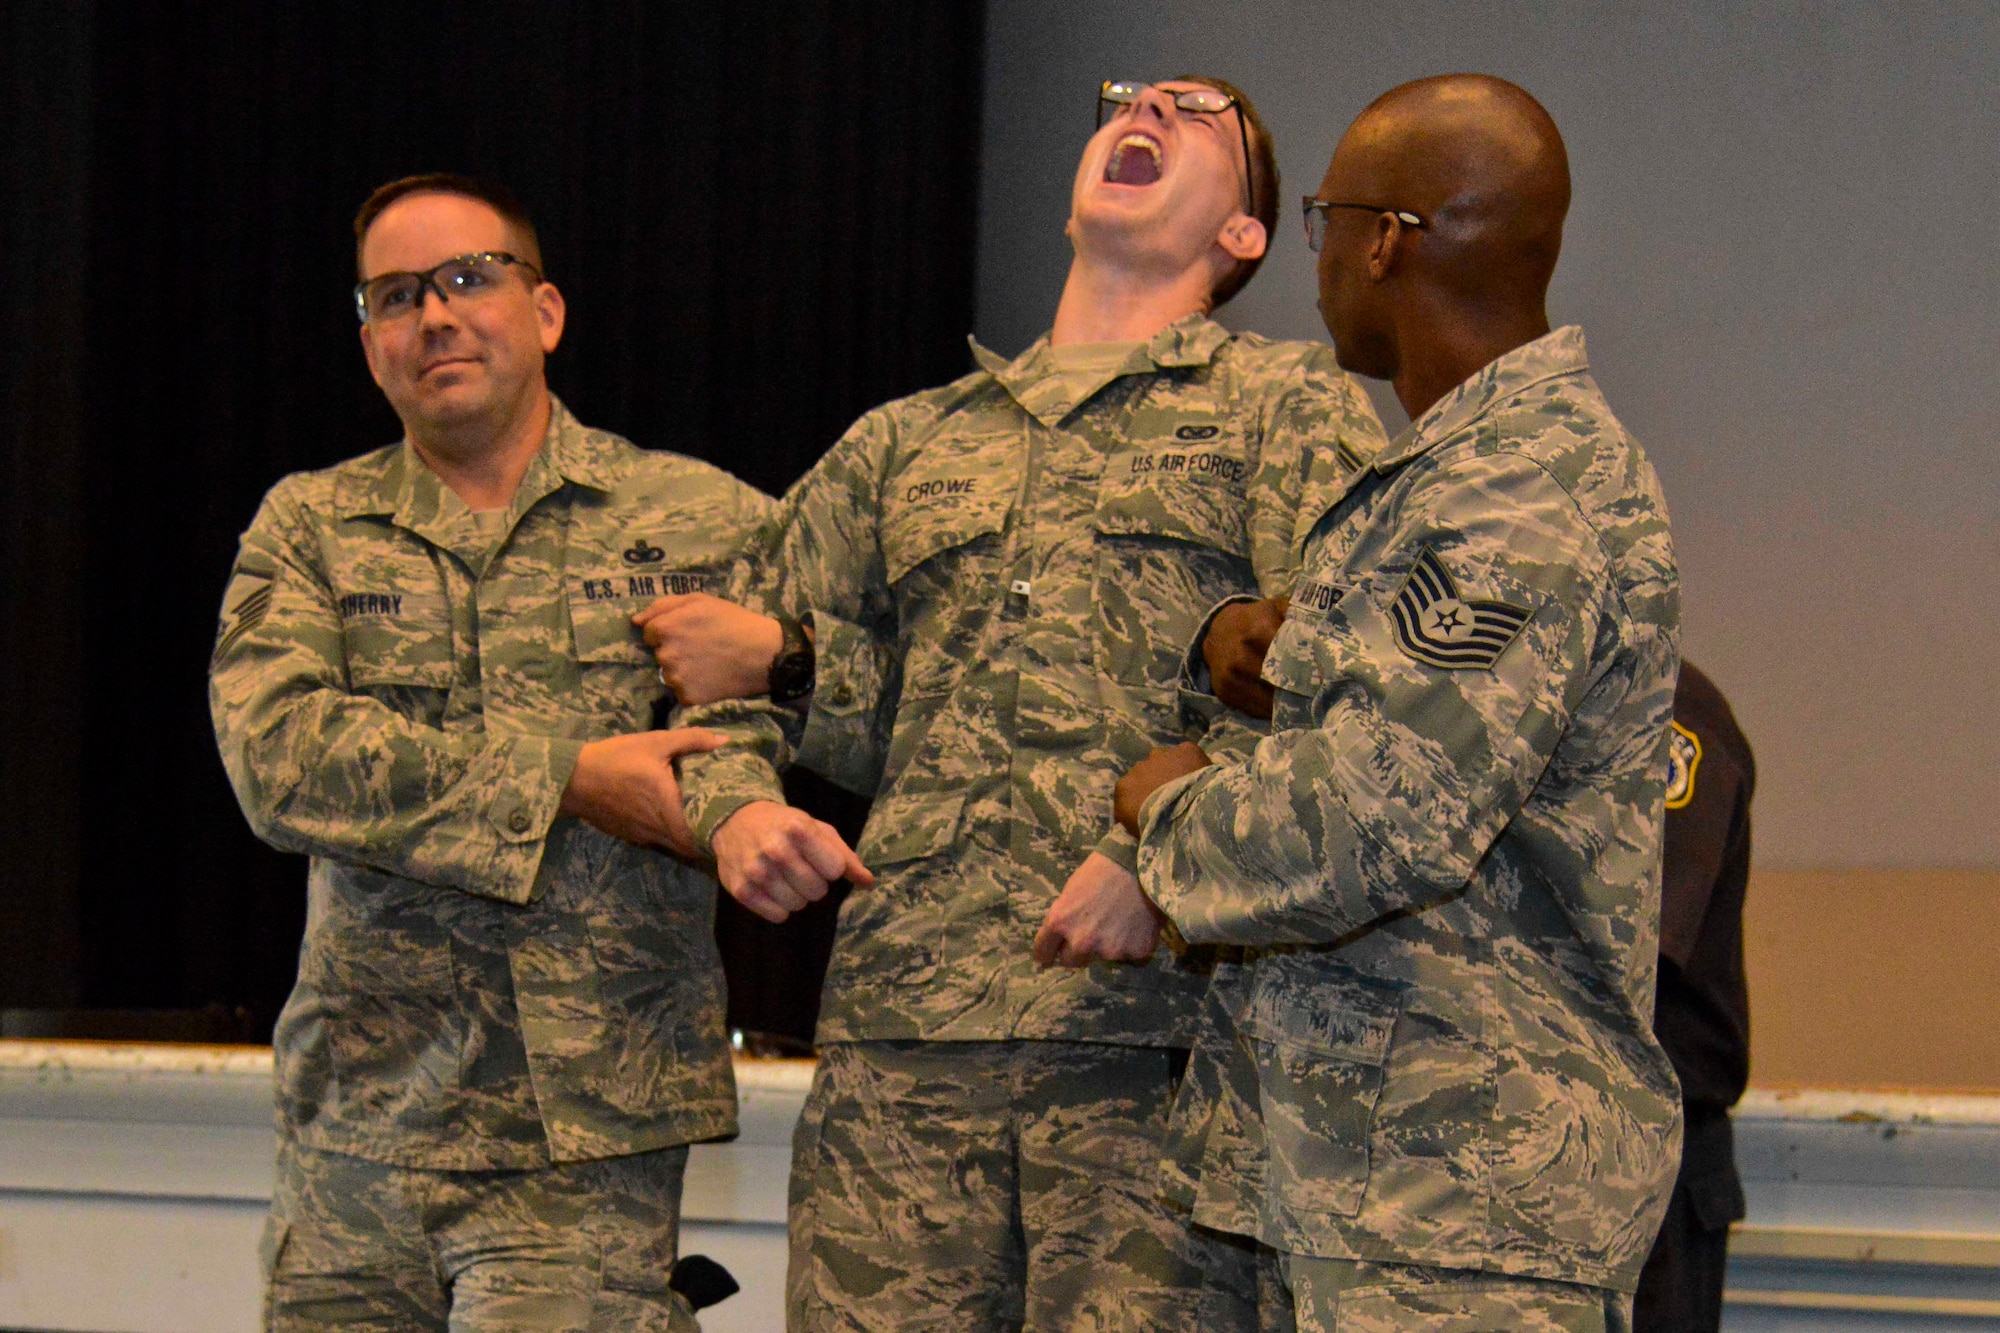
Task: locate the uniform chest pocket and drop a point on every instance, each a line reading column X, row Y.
column 943, row 529
column 941, row 508
column 399, row 649
column 395, row 617
column 1194, row 491
column 1173, row 540
column 602, row 604
column 1321, row 1046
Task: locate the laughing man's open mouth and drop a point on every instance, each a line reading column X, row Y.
column 1135, row 160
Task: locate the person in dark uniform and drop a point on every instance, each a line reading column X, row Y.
column 1703, row 1012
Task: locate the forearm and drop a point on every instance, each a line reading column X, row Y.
column 716, row 785
column 1268, row 852
column 330, row 774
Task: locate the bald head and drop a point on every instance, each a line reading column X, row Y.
column 1484, row 165
column 1480, row 161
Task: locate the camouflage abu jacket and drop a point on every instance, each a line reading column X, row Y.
column 1445, row 861
column 401, row 693
column 1002, row 574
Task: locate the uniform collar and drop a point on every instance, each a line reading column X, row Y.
column 1548, row 357
column 1048, row 395
column 397, row 484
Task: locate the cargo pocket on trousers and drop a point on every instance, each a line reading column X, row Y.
column 633, row 1295
column 1322, row 1055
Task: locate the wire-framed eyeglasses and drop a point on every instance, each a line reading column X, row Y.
column 1315, row 211
column 1119, row 93
column 470, row 278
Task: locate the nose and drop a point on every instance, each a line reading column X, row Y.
column 434, row 313
column 1159, row 104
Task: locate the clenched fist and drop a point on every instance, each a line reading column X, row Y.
column 1234, row 649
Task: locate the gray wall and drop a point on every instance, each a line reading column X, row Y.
column 1783, row 250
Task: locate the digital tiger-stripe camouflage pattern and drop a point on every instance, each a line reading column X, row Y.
column 400, row 689
column 1445, row 864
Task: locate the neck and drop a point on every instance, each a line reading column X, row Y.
column 1445, row 350
column 1102, row 303
column 482, row 460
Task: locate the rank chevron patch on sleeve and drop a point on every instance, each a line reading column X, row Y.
column 1439, row 628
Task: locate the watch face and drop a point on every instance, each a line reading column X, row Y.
column 792, row 674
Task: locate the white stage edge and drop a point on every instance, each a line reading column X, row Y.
column 134, row 1181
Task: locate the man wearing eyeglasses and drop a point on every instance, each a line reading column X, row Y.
column 1433, row 1088
column 987, row 588
column 508, row 1020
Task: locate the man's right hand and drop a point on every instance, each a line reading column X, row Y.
column 1234, row 649
column 774, row 859
column 626, row 786
column 709, row 649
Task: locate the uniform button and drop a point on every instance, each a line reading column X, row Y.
column 519, row 821
column 840, row 696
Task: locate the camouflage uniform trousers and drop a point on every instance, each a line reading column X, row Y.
column 969, row 1186
column 1352, row 1296
column 355, row 1244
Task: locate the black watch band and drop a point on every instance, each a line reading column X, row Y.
column 792, row 668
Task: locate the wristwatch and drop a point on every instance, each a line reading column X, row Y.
column 792, row 668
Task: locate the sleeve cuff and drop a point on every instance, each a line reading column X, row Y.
column 716, row 785
column 1120, row 847
column 1155, row 818
column 538, row 771
column 838, row 740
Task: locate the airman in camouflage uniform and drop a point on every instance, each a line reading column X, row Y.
column 1001, row 574
column 508, row 1022
column 1430, row 1084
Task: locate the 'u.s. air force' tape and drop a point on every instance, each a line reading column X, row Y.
column 1439, row 628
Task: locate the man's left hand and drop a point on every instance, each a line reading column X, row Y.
column 1150, row 774
column 709, row 649
column 1101, row 914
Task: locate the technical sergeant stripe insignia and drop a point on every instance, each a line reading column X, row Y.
column 1437, row 627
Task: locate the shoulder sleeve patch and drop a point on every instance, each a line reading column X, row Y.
column 244, row 606
column 1683, row 758
column 1439, row 628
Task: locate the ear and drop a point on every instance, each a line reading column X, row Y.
column 1386, row 247
column 1243, row 238
column 549, row 314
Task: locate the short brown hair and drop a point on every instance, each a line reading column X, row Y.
column 1263, row 169
column 496, row 197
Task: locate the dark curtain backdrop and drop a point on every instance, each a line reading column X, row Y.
column 761, row 215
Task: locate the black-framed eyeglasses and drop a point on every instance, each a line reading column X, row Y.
column 1205, row 101
column 1315, row 211
column 391, row 296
